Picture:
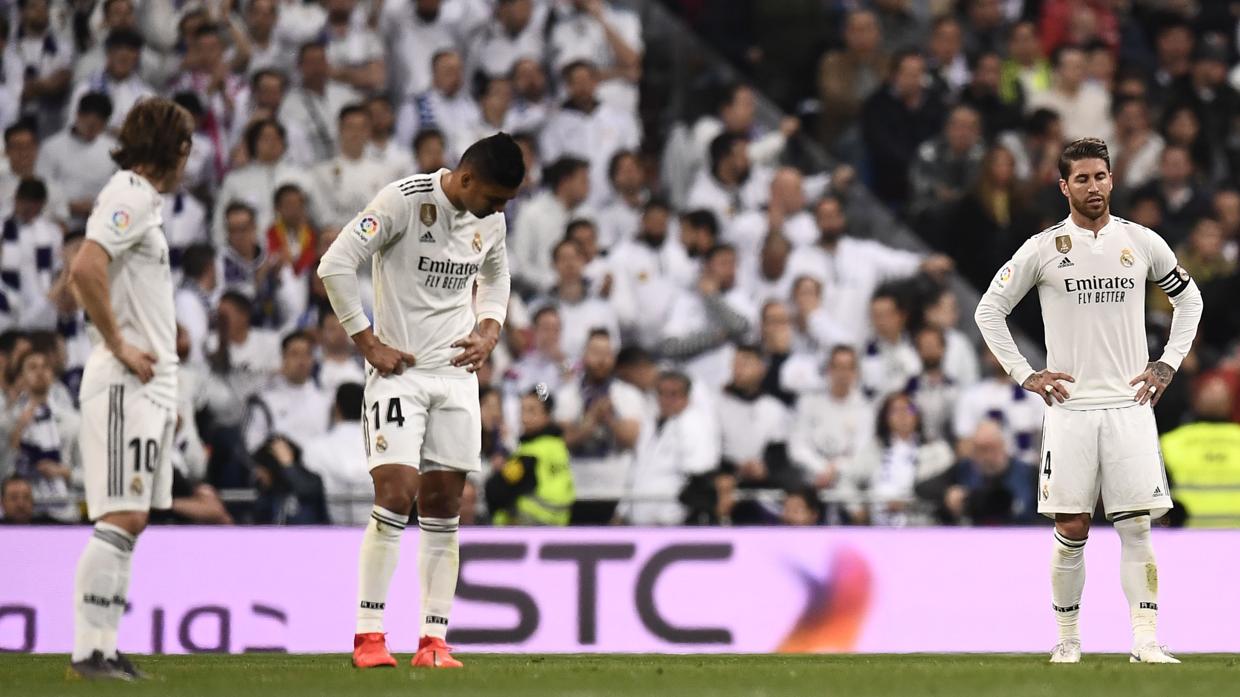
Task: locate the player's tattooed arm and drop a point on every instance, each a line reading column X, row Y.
column 1045, row 384
column 1153, row 382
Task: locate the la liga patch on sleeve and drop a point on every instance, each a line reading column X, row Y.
column 366, row 227
column 120, row 219
column 1004, row 275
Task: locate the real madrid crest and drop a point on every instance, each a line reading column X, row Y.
column 428, row 214
column 1126, row 258
column 477, row 241
column 1063, row 244
column 380, row 443
column 135, row 487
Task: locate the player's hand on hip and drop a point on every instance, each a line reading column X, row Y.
column 1153, row 382
column 138, row 362
column 387, row 360
column 1045, row 384
column 476, row 349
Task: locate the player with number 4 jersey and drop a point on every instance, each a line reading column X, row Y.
column 1099, row 435
column 430, row 238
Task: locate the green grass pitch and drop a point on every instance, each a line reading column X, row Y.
column 960, row 675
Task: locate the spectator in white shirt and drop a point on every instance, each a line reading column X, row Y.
column 737, row 113
column 601, row 417
column 317, row 102
column 269, row 49
column 418, row 30
column 339, row 362
column 119, row 78
column 494, row 102
column 728, row 186
column 542, row 222
column 704, row 323
column 207, row 72
column 817, row 328
column 580, row 312
column 447, row 106
column 785, row 214
column 256, row 183
column 619, row 214
column 517, row 31
column 605, row 35
column 683, row 443
column 934, row 393
column 888, row 359
column 588, row 128
column 429, row 151
column 343, row 185
column 264, row 102
column 12, row 78
column 646, row 272
column 29, row 250
column 1083, row 107
column 383, row 147
column 292, row 405
column 832, row 425
column 193, row 299
column 999, row 399
column 545, row 363
column 21, row 149
column 753, row 426
column 248, row 359
column 852, row 269
column 43, row 435
column 46, row 60
column 185, row 224
column 531, row 104
column 354, row 53
column 117, row 15
column 597, row 272
column 339, row 460
column 960, row 356
column 79, row 158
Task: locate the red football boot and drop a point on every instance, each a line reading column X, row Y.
column 433, row 653
column 370, row 651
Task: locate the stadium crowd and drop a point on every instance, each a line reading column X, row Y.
column 695, row 322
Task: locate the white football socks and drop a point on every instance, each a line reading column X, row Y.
column 375, row 566
column 439, row 559
column 1138, row 573
column 1067, row 583
column 99, row 591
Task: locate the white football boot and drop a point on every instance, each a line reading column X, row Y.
column 1067, row 651
column 1152, row 653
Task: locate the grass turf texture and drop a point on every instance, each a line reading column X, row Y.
column 961, row 675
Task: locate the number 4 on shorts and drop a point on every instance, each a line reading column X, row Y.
column 394, row 414
column 1046, row 468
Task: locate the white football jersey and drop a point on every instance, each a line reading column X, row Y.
column 1092, row 291
column 127, row 222
column 425, row 256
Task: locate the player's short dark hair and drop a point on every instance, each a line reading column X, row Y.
column 676, row 376
column 255, row 130
column 351, row 110
column 97, row 104
column 427, row 134
column 722, row 146
column 284, row 190
column 557, row 172
column 630, row 356
column 545, row 310
column 123, row 37
column 294, row 336
column 349, row 401
column 155, row 133
column 613, row 165
column 23, row 125
column 31, row 189
column 235, row 205
column 1083, row 149
column 496, row 159
column 716, row 250
column 197, row 259
column 702, row 219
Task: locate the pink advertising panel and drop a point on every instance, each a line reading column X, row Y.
column 627, row 590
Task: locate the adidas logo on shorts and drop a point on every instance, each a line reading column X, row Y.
column 1158, row 491
column 1066, row 263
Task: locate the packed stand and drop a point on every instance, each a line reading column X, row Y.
column 699, row 332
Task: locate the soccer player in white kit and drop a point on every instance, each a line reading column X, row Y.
column 1091, row 271
column 128, row 395
column 428, row 237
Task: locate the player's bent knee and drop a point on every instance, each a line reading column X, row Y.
column 1073, row 526
column 132, row 522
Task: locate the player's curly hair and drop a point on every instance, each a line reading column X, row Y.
column 155, row 133
column 1083, row 149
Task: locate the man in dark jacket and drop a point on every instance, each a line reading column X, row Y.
column 895, row 120
column 988, row 488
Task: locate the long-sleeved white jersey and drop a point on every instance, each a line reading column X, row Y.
column 425, row 255
column 1092, row 291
